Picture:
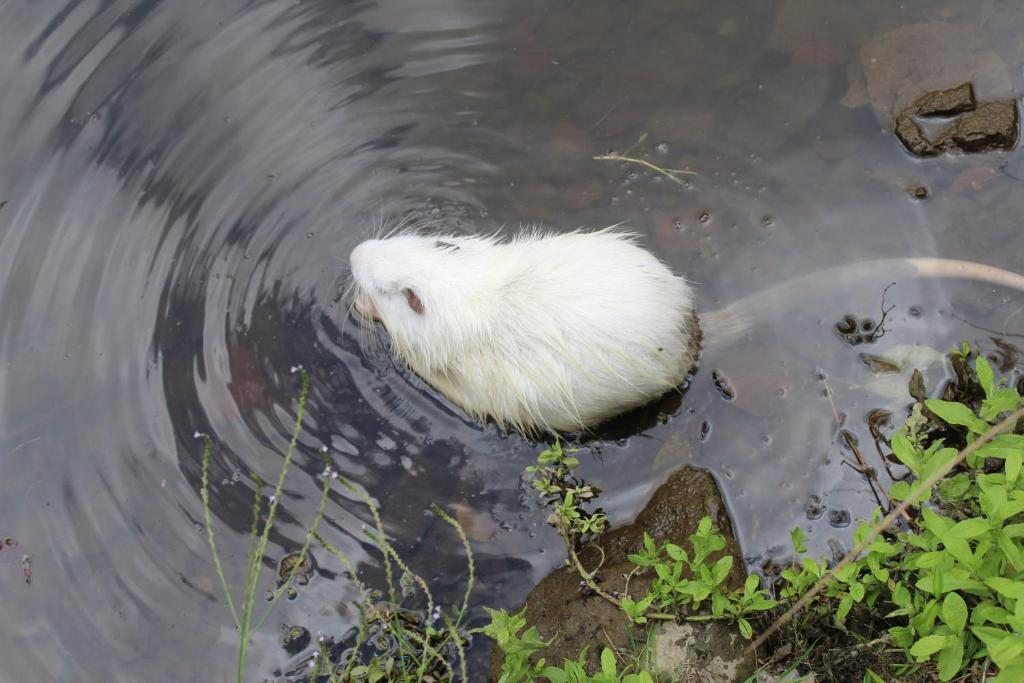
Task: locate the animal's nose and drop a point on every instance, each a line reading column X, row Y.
column 365, row 307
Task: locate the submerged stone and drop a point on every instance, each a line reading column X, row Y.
column 978, row 127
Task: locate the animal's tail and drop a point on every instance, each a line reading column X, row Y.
column 727, row 324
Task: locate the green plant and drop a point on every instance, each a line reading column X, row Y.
column 961, row 582
column 951, row 585
column 427, row 644
column 244, row 615
column 519, row 645
column 552, row 477
column 683, row 582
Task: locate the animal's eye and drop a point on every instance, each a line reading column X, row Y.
column 414, row 301
column 440, row 244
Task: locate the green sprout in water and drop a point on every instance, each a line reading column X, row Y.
column 670, row 173
column 243, row 615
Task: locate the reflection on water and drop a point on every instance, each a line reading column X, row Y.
column 181, row 183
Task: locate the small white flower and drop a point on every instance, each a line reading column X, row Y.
column 272, row 498
column 334, row 475
column 296, row 368
column 323, row 449
column 316, row 653
column 197, row 435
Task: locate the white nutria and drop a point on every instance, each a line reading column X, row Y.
column 560, row 332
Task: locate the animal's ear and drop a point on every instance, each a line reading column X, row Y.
column 414, row 301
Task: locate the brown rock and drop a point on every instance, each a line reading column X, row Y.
column 576, row 620
column 991, row 126
column 949, row 102
column 899, row 65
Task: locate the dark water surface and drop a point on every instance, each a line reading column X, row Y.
column 181, row 183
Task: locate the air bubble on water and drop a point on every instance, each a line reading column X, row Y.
column 839, row 518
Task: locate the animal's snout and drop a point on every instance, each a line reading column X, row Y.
column 365, row 307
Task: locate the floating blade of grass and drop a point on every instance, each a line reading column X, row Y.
column 669, row 173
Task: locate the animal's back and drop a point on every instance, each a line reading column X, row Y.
column 589, row 325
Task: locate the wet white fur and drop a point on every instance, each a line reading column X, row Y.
column 552, row 332
column 559, row 332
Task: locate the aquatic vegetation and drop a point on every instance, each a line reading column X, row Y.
column 422, row 645
column 243, row 614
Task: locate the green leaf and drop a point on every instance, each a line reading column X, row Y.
column 798, row 537
column 928, row 646
column 935, row 523
column 954, row 613
column 951, row 658
column 986, row 378
column 721, row 569
column 953, row 488
column 1002, row 400
column 959, row 549
column 1008, row 587
column 608, row 662
column 1011, row 674
column 704, row 526
column 845, row 605
column 1011, row 550
column 751, row 585
column 905, row 451
column 989, row 635
column 927, row 560
column 1002, row 446
column 901, row 596
column 746, row 630
column 902, row 636
column 1007, row 650
column 957, row 414
column 944, row 581
column 676, row 553
column 986, row 612
column 900, row 490
column 1012, row 464
column 969, row 528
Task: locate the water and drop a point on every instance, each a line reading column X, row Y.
column 183, row 182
